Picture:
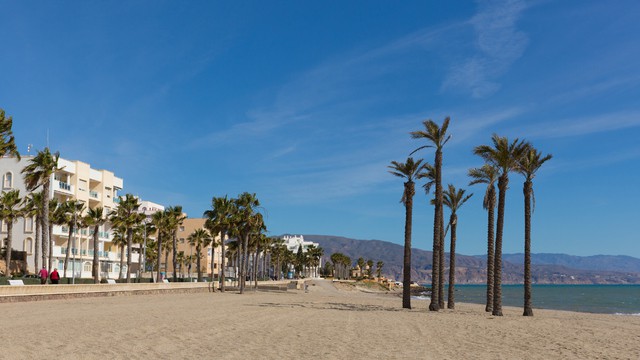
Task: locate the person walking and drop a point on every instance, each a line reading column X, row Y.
column 55, row 277
column 44, row 274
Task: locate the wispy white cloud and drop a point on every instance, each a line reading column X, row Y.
column 585, row 125
column 498, row 44
column 598, row 87
column 328, row 87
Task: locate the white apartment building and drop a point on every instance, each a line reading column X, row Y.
column 294, row 242
column 78, row 181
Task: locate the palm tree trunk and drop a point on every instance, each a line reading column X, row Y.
column 121, row 262
column 159, row 255
column 175, row 254
column 255, row 269
column 490, row 257
column 222, row 261
column 435, row 272
column 129, row 244
column 442, row 262
column 66, row 253
column 9, row 245
column 96, row 262
column 45, row 244
column 50, row 247
column 503, row 182
column 528, row 189
column 46, row 227
column 198, row 254
column 213, row 256
column 409, row 191
column 451, row 303
column 36, row 255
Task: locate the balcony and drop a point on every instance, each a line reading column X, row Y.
column 94, row 195
column 63, row 187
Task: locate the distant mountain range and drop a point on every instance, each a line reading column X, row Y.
column 546, row 268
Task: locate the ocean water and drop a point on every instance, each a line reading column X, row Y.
column 603, row 299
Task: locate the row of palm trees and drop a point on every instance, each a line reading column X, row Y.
column 501, row 158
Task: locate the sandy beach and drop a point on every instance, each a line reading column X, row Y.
column 323, row 323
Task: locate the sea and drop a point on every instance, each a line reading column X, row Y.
column 601, row 299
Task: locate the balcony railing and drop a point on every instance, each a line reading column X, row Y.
column 94, row 194
column 63, row 186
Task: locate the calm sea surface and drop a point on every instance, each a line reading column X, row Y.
column 605, row 299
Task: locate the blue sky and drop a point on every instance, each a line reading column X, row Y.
column 306, row 103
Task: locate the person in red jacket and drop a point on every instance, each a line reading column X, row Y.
column 55, row 277
column 44, row 274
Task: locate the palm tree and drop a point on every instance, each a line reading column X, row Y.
column 33, row 208
column 127, row 216
column 9, row 213
column 246, row 221
column 503, row 155
column 409, row 171
column 487, row 174
column 528, row 165
column 95, row 217
column 176, row 217
column 120, row 240
column 453, row 199
column 160, row 219
column 38, row 173
column 219, row 221
column 199, row 238
column 437, row 137
column 7, row 141
column 69, row 212
column 379, row 266
column 429, row 173
column 56, row 217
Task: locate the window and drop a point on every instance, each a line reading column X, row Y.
column 82, row 185
column 28, row 245
column 181, row 228
column 8, row 181
column 182, row 240
column 28, row 224
column 4, row 227
column 87, row 267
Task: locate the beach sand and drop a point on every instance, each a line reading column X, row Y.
column 323, row 323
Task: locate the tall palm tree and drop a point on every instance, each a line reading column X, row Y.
column 409, row 171
column 7, row 141
column 219, row 221
column 38, row 173
column 126, row 215
column 453, row 199
column 503, row 155
column 437, row 137
column 71, row 211
column 528, row 165
column 33, row 209
column 488, row 174
column 57, row 216
column 120, row 240
column 176, row 218
column 246, row 221
column 200, row 238
column 10, row 211
column 160, row 220
column 429, row 173
column 95, row 217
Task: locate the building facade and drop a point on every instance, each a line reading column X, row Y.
column 77, row 181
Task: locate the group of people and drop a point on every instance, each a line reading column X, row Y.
column 44, row 275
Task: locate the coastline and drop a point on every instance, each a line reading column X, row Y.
column 324, row 322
